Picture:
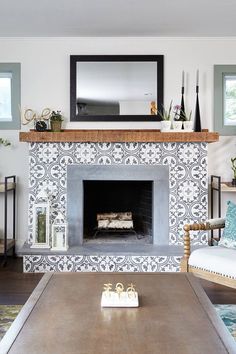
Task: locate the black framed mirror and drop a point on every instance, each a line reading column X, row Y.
column 116, row 87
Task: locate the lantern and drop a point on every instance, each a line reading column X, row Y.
column 59, row 234
column 41, row 221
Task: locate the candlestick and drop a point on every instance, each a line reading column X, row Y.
column 183, row 78
column 197, row 84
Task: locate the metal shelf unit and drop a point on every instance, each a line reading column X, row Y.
column 7, row 243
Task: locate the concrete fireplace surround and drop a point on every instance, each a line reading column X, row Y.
column 177, row 167
column 159, row 175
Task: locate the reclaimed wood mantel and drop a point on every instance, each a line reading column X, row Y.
column 113, row 136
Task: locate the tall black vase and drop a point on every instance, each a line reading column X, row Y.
column 197, row 119
column 182, row 106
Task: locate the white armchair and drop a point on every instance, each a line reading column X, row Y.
column 213, row 263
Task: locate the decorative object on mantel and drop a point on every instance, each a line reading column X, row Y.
column 177, row 122
column 40, row 121
column 41, row 221
column 188, row 123
column 59, row 234
column 56, row 121
column 182, row 106
column 233, row 167
column 119, row 297
column 179, row 110
column 166, row 118
column 5, row 142
column 117, row 136
column 179, row 118
column 197, row 120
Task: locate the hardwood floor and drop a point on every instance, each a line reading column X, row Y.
column 16, row 286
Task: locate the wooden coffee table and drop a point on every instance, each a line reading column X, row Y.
column 63, row 315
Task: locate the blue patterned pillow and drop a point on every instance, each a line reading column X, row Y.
column 228, row 238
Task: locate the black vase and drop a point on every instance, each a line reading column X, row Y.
column 182, row 108
column 197, row 120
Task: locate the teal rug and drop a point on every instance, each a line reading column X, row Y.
column 228, row 315
column 7, row 315
column 9, row 312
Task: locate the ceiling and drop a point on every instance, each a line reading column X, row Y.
column 161, row 18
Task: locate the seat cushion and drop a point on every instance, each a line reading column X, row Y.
column 216, row 259
column 228, row 238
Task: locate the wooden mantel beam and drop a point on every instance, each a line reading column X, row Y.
column 111, row 136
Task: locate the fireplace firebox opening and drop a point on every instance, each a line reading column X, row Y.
column 118, row 211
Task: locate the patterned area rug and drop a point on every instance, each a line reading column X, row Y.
column 9, row 312
column 228, row 315
column 7, row 315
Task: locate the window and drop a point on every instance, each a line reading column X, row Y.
column 225, row 99
column 9, row 96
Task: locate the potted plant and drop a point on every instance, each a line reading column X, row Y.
column 188, row 123
column 233, row 167
column 56, row 121
column 166, row 118
column 182, row 120
column 178, row 118
column 4, row 142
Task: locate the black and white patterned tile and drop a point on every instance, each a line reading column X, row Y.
column 188, row 174
column 188, row 184
column 101, row 263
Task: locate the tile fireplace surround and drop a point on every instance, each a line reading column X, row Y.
column 186, row 166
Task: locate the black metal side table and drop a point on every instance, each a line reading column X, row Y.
column 7, row 243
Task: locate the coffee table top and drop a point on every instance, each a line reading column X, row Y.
column 63, row 315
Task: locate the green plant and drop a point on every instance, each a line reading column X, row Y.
column 233, row 167
column 181, row 115
column 4, row 142
column 166, row 114
column 188, row 117
column 56, row 116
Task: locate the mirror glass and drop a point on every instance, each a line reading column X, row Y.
column 116, row 88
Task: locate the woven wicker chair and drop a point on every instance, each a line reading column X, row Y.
column 214, row 263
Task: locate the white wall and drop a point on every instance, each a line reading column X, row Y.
column 45, row 83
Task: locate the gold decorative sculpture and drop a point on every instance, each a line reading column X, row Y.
column 31, row 116
column 119, row 297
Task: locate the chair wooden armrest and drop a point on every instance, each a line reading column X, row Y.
column 210, row 224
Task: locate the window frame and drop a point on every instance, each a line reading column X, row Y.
column 220, row 72
column 15, row 70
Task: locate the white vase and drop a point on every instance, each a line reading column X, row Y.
column 188, row 125
column 177, row 125
column 165, row 125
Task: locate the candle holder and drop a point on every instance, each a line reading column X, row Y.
column 41, row 221
column 59, row 234
column 197, row 120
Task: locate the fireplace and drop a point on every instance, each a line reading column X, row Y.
column 141, row 190
column 175, row 174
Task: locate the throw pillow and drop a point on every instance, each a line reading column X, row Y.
column 228, row 238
